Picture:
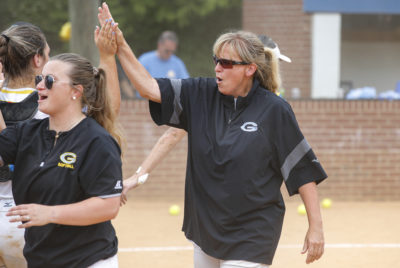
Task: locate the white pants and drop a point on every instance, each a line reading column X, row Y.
column 11, row 238
column 202, row 260
column 111, row 262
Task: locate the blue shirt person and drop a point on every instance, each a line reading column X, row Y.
column 162, row 63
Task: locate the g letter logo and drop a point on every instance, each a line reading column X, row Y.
column 68, row 158
column 249, row 127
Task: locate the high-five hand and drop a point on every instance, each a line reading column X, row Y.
column 105, row 38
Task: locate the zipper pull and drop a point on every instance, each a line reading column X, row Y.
column 55, row 138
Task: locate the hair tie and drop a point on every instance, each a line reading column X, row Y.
column 95, row 71
column 6, row 37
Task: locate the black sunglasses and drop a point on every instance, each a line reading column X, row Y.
column 228, row 64
column 48, row 80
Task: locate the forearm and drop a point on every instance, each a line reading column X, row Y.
column 137, row 74
column 109, row 65
column 163, row 146
column 309, row 195
column 90, row 211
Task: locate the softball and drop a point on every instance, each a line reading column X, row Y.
column 326, row 203
column 174, row 210
column 65, row 32
column 301, row 209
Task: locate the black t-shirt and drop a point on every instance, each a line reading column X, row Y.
column 239, row 153
column 85, row 162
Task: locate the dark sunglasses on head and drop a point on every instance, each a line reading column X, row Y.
column 48, row 80
column 228, row 64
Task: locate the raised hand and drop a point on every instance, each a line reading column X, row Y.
column 105, row 38
column 104, row 14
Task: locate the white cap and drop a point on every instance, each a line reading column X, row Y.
column 269, row 43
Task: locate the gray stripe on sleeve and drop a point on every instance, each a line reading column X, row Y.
column 177, row 86
column 109, row 195
column 294, row 157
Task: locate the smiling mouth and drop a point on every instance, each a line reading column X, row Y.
column 42, row 98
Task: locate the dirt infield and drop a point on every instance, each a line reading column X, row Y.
column 357, row 234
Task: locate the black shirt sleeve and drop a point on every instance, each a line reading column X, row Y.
column 296, row 160
column 162, row 112
column 179, row 99
column 101, row 173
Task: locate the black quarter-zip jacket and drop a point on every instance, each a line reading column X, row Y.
column 238, row 156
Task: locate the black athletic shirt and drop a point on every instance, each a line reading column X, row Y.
column 238, row 156
column 85, row 162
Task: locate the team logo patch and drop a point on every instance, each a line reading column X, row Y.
column 249, row 127
column 67, row 160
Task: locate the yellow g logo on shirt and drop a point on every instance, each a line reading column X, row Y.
column 67, row 160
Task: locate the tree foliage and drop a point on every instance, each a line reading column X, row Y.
column 179, row 12
column 49, row 15
column 197, row 23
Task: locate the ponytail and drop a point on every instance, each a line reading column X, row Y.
column 95, row 99
column 99, row 108
column 269, row 76
column 18, row 45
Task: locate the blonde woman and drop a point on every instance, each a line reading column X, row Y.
column 243, row 143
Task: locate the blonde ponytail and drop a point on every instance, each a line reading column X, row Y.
column 270, row 77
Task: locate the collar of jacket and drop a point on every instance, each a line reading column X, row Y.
column 241, row 102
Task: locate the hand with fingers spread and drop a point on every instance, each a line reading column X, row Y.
column 30, row 215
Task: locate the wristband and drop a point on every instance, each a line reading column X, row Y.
column 138, row 170
column 143, row 178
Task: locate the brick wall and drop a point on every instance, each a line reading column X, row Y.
column 290, row 27
column 357, row 142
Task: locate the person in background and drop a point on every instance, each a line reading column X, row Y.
column 160, row 63
column 23, row 53
column 163, row 62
